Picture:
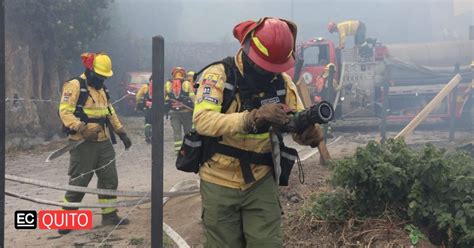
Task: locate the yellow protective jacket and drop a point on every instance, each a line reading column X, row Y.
column 345, row 29
column 141, row 94
column 208, row 120
column 186, row 90
column 95, row 107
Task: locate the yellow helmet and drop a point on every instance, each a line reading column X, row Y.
column 190, row 73
column 472, row 64
column 103, row 65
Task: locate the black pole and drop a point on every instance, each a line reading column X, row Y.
column 452, row 111
column 157, row 142
column 2, row 121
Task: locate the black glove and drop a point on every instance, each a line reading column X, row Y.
column 126, row 140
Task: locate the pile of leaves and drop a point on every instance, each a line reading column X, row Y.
column 431, row 188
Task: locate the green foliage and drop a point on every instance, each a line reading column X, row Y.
column 332, row 206
column 65, row 28
column 429, row 187
column 415, row 234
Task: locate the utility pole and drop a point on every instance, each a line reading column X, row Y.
column 158, row 64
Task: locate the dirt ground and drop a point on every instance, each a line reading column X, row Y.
column 181, row 213
column 133, row 167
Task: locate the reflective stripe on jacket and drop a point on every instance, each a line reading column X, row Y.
column 96, row 106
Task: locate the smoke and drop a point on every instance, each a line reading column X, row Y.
column 212, row 21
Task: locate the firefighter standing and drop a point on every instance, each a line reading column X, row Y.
column 179, row 96
column 346, row 28
column 87, row 114
column 241, row 201
column 144, row 101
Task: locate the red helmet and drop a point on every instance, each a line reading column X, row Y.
column 269, row 43
column 332, row 26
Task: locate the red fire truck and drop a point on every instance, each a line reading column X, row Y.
column 415, row 73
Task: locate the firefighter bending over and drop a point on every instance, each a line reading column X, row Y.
column 348, row 28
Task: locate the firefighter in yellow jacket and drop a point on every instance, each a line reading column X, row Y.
column 87, row 115
column 240, row 196
column 348, row 28
column 179, row 97
column 143, row 101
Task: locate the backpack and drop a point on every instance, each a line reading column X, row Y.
column 79, row 111
column 197, row 149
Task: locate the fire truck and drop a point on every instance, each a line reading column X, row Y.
column 354, row 78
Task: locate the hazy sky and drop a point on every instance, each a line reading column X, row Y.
column 213, row 20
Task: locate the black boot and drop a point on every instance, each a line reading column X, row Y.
column 113, row 219
column 64, row 231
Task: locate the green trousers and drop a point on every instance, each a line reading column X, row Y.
column 235, row 218
column 180, row 120
column 87, row 157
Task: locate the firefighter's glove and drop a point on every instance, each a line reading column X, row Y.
column 91, row 134
column 312, row 136
column 82, row 127
column 125, row 139
column 266, row 114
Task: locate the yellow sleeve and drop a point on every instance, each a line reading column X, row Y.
column 114, row 120
column 167, row 89
column 188, row 88
column 293, row 100
column 67, row 106
column 141, row 92
column 207, row 117
column 342, row 37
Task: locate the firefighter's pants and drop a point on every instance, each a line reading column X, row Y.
column 235, row 218
column 148, row 119
column 87, row 157
column 180, row 120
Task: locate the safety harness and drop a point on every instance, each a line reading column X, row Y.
column 212, row 145
column 79, row 111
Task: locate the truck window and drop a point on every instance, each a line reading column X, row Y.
column 316, row 55
column 311, row 55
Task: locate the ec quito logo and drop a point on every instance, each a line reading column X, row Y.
column 53, row 219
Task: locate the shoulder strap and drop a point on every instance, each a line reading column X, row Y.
column 107, row 95
column 231, row 85
column 83, row 93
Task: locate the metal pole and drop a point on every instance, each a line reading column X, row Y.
column 452, row 121
column 157, row 142
column 2, row 122
column 383, row 125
